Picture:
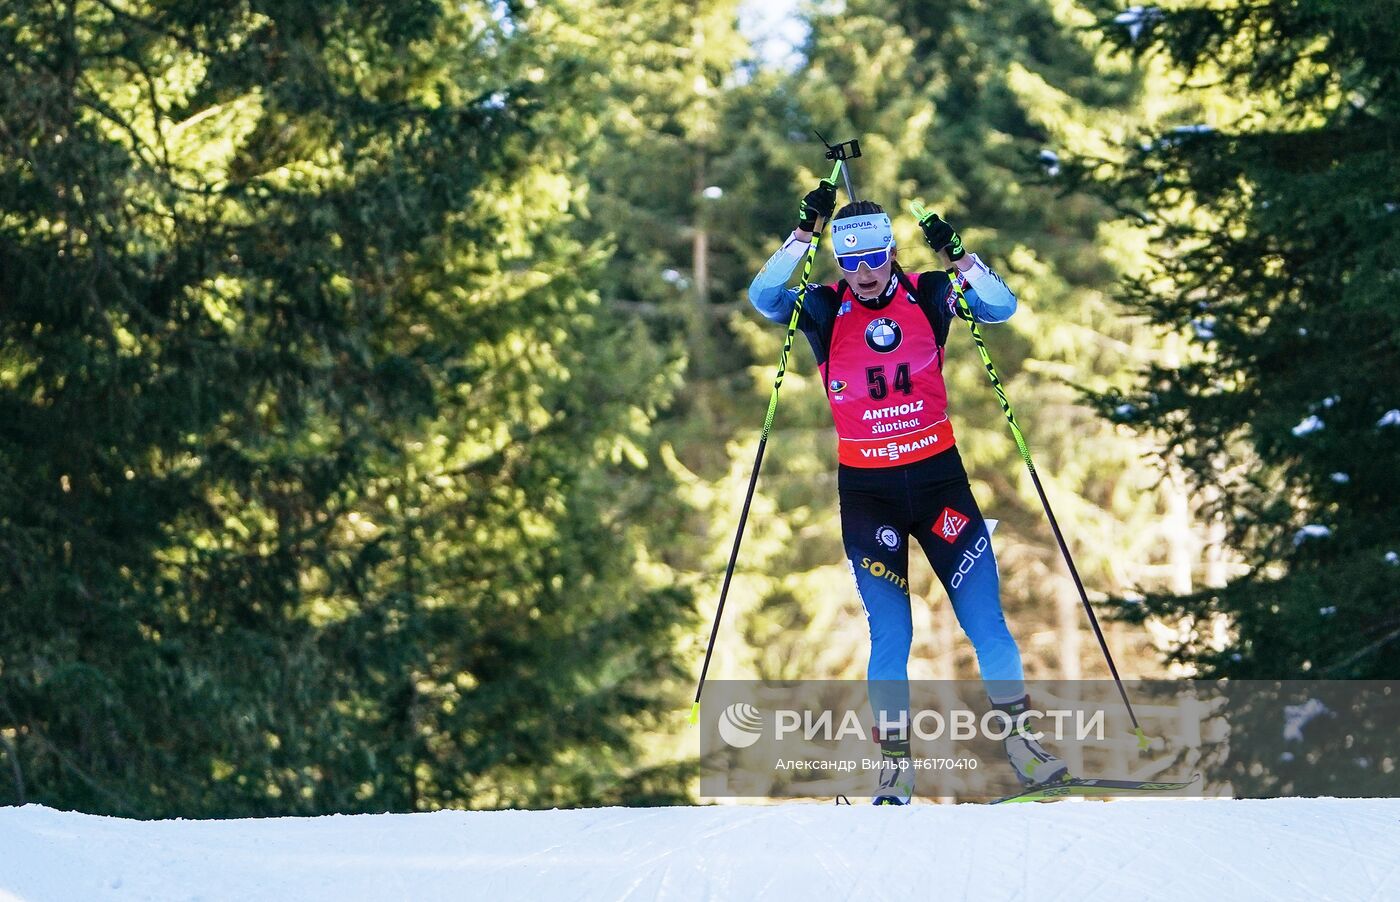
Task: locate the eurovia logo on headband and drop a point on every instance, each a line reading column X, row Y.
column 871, row 231
column 857, row 223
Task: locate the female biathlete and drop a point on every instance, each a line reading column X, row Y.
column 878, row 335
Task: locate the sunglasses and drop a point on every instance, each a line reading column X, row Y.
column 872, row 259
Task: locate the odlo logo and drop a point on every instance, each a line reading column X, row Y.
column 740, row 725
column 969, row 558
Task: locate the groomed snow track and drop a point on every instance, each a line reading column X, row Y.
column 1123, row 850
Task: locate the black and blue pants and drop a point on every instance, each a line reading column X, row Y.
column 929, row 500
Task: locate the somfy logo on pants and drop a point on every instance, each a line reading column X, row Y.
column 740, row 725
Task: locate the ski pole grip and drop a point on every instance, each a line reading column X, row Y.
column 955, row 250
column 695, row 713
column 835, row 173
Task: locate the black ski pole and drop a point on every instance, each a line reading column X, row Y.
column 846, row 150
column 758, row 460
column 965, row 312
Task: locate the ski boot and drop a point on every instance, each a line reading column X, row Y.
column 896, row 773
column 1032, row 763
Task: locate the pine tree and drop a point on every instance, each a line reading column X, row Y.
column 1275, row 231
column 1276, row 257
column 320, row 469
column 689, row 181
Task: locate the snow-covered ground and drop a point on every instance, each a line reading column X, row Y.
column 1123, row 850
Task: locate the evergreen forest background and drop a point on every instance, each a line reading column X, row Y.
column 378, row 390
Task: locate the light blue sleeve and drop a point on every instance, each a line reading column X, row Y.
column 768, row 292
column 989, row 298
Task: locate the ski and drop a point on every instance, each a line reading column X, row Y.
column 1050, row 792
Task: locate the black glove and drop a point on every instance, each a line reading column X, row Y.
column 819, row 203
column 940, row 236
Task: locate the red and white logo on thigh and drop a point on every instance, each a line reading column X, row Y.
column 950, row 525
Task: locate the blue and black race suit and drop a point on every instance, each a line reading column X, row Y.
column 900, row 476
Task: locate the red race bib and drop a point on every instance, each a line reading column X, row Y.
column 884, row 381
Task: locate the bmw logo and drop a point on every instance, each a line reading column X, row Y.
column 883, row 335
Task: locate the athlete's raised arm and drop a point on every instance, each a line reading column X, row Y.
column 769, row 292
column 988, row 297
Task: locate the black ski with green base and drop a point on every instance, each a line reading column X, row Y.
column 1064, row 789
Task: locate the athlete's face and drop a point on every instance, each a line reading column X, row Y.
column 868, row 282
